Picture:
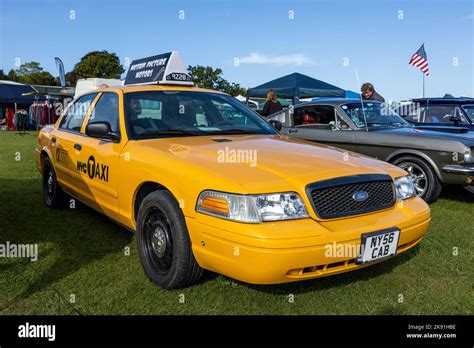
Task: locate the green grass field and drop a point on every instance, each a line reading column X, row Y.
column 83, row 267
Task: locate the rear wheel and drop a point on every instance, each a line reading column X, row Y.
column 163, row 242
column 427, row 184
column 53, row 195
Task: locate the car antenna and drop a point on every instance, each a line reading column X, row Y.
column 362, row 102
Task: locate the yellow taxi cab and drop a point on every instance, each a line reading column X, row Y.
column 207, row 184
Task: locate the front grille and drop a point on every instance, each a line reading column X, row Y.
column 334, row 198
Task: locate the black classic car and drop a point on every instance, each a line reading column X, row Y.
column 432, row 158
column 432, row 113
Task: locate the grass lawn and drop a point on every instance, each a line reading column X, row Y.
column 83, row 268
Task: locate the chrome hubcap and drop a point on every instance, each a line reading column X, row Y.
column 50, row 182
column 158, row 241
column 418, row 176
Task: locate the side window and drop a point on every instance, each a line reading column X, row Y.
column 314, row 115
column 340, row 123
column 106, row 110
column 440, row 113
column 414, row 114
column 74, row 116
column 201, row 118
column 229, row 113
column 280, row 116
column 150, row 109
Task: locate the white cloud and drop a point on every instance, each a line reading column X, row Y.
column 291, row 59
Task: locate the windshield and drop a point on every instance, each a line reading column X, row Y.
column 153, row 114
column 374, row 115
column 469, row 111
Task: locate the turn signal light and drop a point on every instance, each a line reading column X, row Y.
column 216, row 204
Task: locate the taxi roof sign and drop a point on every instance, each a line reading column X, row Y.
column 166, row 68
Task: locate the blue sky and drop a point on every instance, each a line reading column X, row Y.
column 373, row 37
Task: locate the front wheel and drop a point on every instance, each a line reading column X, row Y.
column 427, row 184
column 163, row 242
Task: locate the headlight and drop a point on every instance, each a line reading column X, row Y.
column 405, row 187
column 252, row 208
column 467, row 154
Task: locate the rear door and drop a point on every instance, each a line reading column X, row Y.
column 322, row 124
column 97, row 159
column 64, row 139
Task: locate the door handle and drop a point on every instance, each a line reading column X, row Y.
column 78, row 147
column 292, row 131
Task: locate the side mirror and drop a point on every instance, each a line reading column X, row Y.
column 455, row 120
column 333, row 125
column 276, row 124
column 101, row 130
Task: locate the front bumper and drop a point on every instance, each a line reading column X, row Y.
column 459, row 169
column 287, row 251
column 467, row 172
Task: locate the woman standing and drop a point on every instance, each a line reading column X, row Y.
column 272, row 104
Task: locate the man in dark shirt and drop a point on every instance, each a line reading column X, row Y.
column 369, row 93
column 272, row 104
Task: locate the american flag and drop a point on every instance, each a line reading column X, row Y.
column 420, row 60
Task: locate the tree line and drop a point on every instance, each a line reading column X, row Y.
column 103, row 64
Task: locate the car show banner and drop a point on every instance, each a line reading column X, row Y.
column 163, row 68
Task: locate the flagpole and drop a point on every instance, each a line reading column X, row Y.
column 423, row 83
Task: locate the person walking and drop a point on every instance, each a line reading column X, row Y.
column 369, row 93
column 272, row 104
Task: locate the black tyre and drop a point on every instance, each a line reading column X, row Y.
column 426, row 182
column 163, row 242
column 53, row 195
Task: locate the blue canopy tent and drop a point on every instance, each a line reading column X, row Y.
column 348, row 94
column 352, row 95
column 12, row 92
column 296, row 86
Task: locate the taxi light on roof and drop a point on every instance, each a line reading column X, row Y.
column 166, row 68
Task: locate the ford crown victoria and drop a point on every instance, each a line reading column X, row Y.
column 207, row 184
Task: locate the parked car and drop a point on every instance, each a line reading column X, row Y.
column 431, row 158
column 164, row 161
column 433, row 113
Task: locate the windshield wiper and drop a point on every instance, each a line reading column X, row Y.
column 232, row 131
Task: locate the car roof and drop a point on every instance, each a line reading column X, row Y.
column 461, row 100
column 157, row 87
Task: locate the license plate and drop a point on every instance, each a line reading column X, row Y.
column 378, row 245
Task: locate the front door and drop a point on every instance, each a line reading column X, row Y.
column 97, row 161
column 65, row 139
column 322, row 124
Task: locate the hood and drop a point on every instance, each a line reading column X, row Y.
column 261, row 163
column 466, row 138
